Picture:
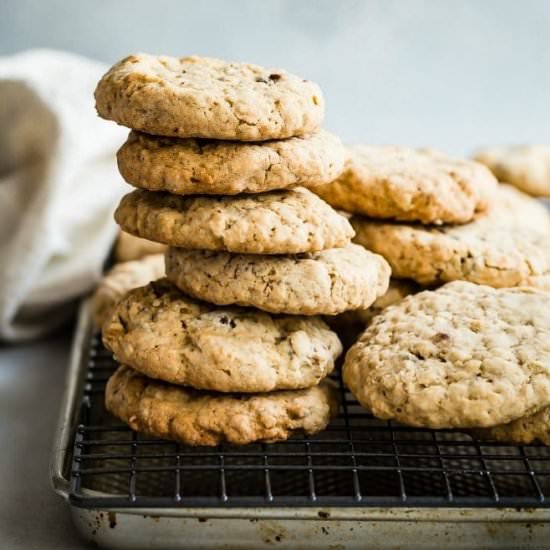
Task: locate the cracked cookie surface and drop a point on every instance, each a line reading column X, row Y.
column 276, row 222
column 196, row 166
column 506, row 247
column 162, row 333
column 121, row 278
column 202, row 418
column 326, row 282
column 410, row 185
column 210, row 98
column 525, row 166
column 462, row 356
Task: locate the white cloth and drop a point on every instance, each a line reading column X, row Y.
column 58, row 188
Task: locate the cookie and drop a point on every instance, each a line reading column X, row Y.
column 209, row 98
column 506, row 248
column 525, row 166
column 518, row 208
column 197, row 166
column 128, row 248
column 461, row 356
column 163, row 334
column 529, row 429
column 119, row 280
column 194, row 417
column 322, row 283
column 277, row 222
column 407, row 184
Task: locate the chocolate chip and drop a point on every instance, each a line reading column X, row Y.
column 123, row 323
column 156, row 289
column 271, row 78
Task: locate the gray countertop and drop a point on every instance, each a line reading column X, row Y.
column 31, row 385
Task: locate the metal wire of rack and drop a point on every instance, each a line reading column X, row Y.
column 357, row 461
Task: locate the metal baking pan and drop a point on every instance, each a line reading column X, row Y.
column 362, row 483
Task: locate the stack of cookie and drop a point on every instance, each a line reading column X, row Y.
column 475, row 353
column 460, row 224
column 221, row 153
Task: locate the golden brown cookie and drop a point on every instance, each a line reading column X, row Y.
column 163, row 334
column 193, row 417
column 523, row 431
column 278, row 222
column 197, row 166
column 525, row 166
column 461, row 356
column 210, row 98
column 407, row 184
column 507, row 247
column 323, row 283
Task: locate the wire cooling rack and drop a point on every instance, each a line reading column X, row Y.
column 357, row 461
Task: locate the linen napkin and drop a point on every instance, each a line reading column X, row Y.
column 58, row 188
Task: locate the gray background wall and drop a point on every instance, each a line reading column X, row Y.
column 447, row 73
